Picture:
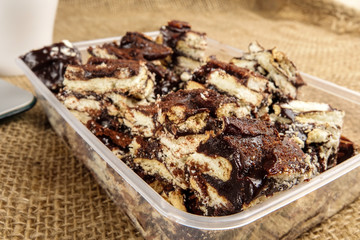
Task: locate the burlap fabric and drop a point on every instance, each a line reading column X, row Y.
column 45, row 193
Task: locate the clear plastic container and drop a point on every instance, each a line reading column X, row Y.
column 284, row 215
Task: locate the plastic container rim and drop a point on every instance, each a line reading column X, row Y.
column 162, row 206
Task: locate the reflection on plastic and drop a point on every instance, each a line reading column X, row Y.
column 14, row 100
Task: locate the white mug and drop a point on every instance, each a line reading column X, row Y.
column 24, row 25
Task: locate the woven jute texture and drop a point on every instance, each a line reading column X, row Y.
column 45, row 193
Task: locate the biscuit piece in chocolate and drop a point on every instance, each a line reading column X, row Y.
column 109, row 85
column 101, row 76
column 275, row 66
column 241, row 83
column 189, row 47
column 180, row 121
column 315, row 127
column 136, row 46
column 213, row 154
column 184, row 112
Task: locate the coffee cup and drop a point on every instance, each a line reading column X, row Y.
column 24, row 25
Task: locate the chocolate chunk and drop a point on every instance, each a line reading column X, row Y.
column 284, row 157
column 173, row 32
column 110, row 138
column 346, row 149
column 180, row 26
column 49, row 63
column 247, row 127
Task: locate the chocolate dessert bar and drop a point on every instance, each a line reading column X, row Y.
column 212, row 138
column 199, row 152
column 254, row 161
column 189, row 47
column 149, row 49
column 248, row 87
column 137, row 46
column 275, row 66
column 315, row 127
column 105, row 85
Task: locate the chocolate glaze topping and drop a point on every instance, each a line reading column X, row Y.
column 49, row 63
column 149, row 49
column 94, row 68
column 196, row 100
column 242, row 74
column 120, row 53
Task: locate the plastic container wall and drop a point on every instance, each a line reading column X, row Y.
column 286, row 214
